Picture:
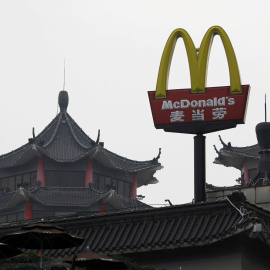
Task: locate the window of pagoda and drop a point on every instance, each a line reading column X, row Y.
column 14, row 182
column 18, row 176
column 65, row 174
column 64, row 179
column 106, row 183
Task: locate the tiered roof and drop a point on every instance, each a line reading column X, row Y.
column 64, row 141
column 230, row 156
column 81, row 198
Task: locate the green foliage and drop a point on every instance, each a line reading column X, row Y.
column 29, row 260
column 131, row 264
column 28, row 257
column 26, row 266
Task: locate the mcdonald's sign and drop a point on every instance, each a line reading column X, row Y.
column 200, row 109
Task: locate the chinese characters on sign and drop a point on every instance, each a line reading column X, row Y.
column 177, row 116
column 184, row 112
column 198, row 115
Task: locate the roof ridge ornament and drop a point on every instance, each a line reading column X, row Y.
column 158, row 156
column 223, row 143
column 98, row 137
column 63, row 100
column 33, row 139
column 216, row 150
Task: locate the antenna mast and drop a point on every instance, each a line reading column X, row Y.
column 265, row 114
column 64, row 74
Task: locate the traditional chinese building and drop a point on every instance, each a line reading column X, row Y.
column 244, row 159
column 62, row 171
column 254, row 165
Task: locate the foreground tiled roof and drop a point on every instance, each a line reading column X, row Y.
column 69, row 197
column 162, row 228
column 234, row 156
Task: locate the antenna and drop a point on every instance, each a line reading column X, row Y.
column 64, row 74
column 265, row 114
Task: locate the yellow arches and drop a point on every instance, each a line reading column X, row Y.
column 197, row 62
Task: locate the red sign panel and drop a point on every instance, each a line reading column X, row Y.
column 181, row 109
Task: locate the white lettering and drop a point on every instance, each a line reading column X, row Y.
column 176, row 105
column 209, row 103
column 185, row 104
column 177, row 116
column 221, row 101
column 167, row 105
column 194, row 103
column 215, row 101
column 201, row 103
column 231, row 101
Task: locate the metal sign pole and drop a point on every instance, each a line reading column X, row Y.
column 199, row 168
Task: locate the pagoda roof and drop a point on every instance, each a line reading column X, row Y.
column 77, row 197
column 64, row 141
column 167, row 228
column 230, row 156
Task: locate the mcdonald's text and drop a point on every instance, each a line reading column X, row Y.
column 202, row 103
column 186, row 112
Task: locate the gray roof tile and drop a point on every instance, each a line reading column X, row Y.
column 64, row 141
column 162, row 228
column 70, row 197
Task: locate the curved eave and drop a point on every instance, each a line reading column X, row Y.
column 64, row 141
column 249, row 151
column 11, row 199
column 68, row 197
column 21, row 157
column 6, row 200
column 115, row 161
column 230, row 159
column 235, row 156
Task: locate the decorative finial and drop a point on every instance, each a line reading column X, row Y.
column 33, row 132
column 63, row 100
column 97, row 141
column 223, row 143
column 158, row 156
column 216, row 150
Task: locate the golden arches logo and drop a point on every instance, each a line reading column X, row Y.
column 197, row 62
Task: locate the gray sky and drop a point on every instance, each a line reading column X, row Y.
column 112, row 50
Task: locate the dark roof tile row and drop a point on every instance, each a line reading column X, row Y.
column 70, row 197
column 163, row 228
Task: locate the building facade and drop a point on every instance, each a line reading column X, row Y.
column 63, row 171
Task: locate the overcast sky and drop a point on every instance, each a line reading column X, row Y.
column 112, row 51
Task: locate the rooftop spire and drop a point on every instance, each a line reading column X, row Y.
column 64, row 74
column 63, row 100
